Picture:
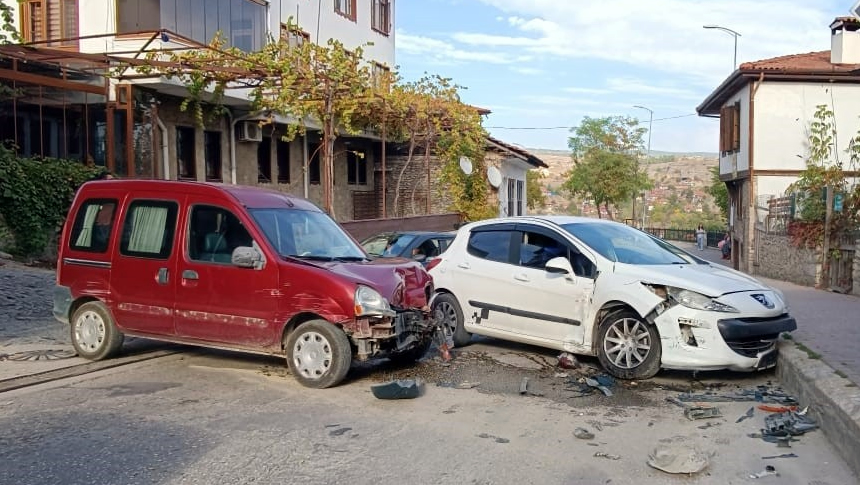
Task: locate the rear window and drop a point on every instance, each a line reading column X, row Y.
column 492, row 245
column 149, row 229
column 93, row 225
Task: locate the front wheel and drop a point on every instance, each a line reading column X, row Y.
column 318, row 354
column 629, row 348
column 448, row 313
column 94, row 333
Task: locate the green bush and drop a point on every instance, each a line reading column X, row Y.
column 35, row 195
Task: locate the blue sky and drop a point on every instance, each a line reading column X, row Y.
column 548, row 63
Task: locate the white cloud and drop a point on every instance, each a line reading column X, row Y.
column 527, row 71
column 578, row 90
column 665, row 35
column 445, row 52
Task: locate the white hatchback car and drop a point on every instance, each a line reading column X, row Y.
column 596, row 287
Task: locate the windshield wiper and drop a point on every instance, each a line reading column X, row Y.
column 346, row 259
column 311, row 257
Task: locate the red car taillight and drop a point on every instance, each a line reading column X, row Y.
column 433, row 263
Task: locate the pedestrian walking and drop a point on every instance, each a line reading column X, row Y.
column 726, row 246
column 700, row 237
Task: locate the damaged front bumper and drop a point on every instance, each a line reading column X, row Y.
column 705, row 340
column 379, row 337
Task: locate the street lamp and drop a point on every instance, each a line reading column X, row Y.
column 650, row 121
column 733, row 34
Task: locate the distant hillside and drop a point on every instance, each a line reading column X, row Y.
column 654, row 153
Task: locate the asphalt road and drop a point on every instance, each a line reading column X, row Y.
column 203, row 417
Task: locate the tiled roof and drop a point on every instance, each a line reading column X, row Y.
column 529, row 158
column 809, row 63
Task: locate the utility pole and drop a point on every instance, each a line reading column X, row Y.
column 647, row 157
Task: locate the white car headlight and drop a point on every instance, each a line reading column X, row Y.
column 698, row 301
column 369, row 303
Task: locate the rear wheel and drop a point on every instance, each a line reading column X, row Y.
column 629, row 348
column 318, row 354
column 447, row 311
column 94, row 334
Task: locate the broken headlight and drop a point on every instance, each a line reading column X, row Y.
column 690, row 299
column 369, row 303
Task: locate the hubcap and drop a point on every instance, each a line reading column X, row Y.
column 627, row 343
column 90, row 331
column 446, row 315
column 312, row 355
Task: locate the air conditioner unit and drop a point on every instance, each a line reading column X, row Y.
column 250, row 131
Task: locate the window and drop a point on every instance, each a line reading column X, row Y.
column 509, row 195
column 93, row 224
column 212, row 155
column 379, row 73
column 186, row 152
column 242, row 23
column 50, row 20
column 730, row 128
column 314, row 163
column 491, row 245
column 537, row 249
column 149, row 229
column 214, row 234
column 520, row 190
column 345, row 8
column 264, row 161
column 381, row 16
column 283, row 162
column 294, row 36
column 356, row 168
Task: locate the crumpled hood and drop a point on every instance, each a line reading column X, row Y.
column 401, row 281
column 711, row 280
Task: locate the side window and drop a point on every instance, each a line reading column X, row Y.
column 214, row 234
column 93, row 224
column 492, row 245
column 149, row 229
column 537, row 249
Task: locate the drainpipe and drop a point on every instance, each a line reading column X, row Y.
column 751, row 224
column 305, row 164
column 165, row 154
column 232, row 137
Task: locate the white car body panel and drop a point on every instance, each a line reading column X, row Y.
column 539, row 307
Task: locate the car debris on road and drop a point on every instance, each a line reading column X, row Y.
column 678, row 459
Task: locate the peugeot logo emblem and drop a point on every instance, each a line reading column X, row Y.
column 763, row 300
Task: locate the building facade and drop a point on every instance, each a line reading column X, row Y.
column 765, row 109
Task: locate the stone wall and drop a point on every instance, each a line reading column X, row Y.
column 778, row 259
column 856, row 285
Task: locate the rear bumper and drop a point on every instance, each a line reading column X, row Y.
column 62, row 303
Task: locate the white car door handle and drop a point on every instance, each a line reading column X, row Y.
column 464, row 265
column 521, row 277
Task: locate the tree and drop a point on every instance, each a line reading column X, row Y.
column 321, row 84
column 606, row 168
column 8, row 32
column 534, row 192
column 719, row 192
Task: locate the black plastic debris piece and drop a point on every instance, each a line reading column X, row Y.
column 596, row 383
column 750, row 412
column 761, row 394
column 399, row 389
column 784, row 455
column 710, row 424
column 788, row 424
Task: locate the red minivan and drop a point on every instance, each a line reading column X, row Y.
column 233, row 267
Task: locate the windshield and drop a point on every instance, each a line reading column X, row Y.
column 387, row 245
column 306, row 234
column 624, row 244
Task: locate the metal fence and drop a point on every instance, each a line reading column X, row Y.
column 712, row 238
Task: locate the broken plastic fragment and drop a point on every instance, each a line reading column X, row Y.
column 701, row 412
column 788, row 424
column 583, row 434
column 524, row 385
column 597, row 385
column 678, row 459
column 748, row 415
column 601, row 454
column 566, row 360
column 400, row 389
column 768, row 470
column 784, row 455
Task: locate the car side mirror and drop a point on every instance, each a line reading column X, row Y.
column 247, row 257
column 559, row 265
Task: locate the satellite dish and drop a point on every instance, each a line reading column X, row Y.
column 494, row 176
column 466, row 165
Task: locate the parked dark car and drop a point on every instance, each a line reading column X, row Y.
column 418, row 245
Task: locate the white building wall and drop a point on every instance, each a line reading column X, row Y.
column 784, row 112
column 733, row 162
column 512, row 169
column 319, row 19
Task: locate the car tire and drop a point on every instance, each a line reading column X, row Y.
column 617, row 334
column 318, row 354
column 94, row 333
column 448, row 313
column 413, row 354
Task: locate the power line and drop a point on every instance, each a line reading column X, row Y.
column 571, row 127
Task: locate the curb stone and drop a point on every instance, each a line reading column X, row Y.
column 834, row 401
